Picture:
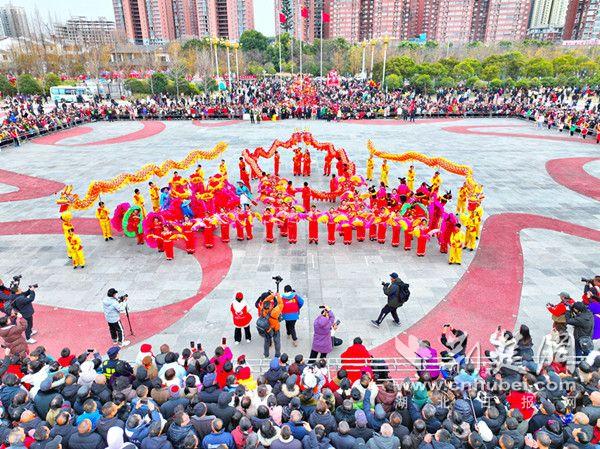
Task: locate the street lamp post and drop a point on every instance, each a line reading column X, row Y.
column 215, row 42
column 236, row 45
column 227, row 46
column 373, row 43
column 363, row 72
column 386, row 41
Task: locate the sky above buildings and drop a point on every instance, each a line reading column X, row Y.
column 60, row 10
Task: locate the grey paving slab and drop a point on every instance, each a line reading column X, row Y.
column 512, row 170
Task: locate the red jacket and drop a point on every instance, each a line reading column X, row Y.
column 355, row 360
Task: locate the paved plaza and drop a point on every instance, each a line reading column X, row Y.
column 526, row 197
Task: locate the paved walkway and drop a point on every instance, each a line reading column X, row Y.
column 510, row 158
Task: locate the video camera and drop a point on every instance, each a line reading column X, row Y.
column 587, row 281
column 16, row 282
column 122, row 298
column 277, row 280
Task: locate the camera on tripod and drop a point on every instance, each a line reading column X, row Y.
column 16, row 282
column 587, row 281
column 122, row 298
column 277, row 280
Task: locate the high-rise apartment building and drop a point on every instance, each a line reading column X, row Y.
column 507, row 20
column 159, row 21
column 13, row 21
column 84, row 31
column 582, row 20
column 547, row 13
column 454, row 21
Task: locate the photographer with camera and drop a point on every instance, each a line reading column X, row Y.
column 17, row 301
column 112, row 307
column 323, row 327
column 397, row 294
column 268, row 323
column 591, row 291
column 582, row 320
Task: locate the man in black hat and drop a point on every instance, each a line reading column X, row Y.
column 112, row 308
column 397, row 294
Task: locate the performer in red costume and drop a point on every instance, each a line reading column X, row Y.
column 209, row 232
column 243, row 223
column 292, row 219
column 422, row 238
column 333, row 186
column 167, row 242
column 408, row 237
column 306, row 193
column 190, row 238
column 396, row 233
column 327, row 165
column 382, row 226
column 313, row 225
column 347, row 233
column 276, row 158
column 331, row 227
column 361, row 232
column 134, row 226
column 244, row 177
column 306, row 163
column 297, row 162
column 224, row 222
column 268, row 220
column 157, row 229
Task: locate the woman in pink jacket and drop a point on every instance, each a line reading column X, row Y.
column 241, row 318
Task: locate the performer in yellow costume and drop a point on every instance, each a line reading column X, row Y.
column 472, row 223
column 76, row 249
column 436, row 182
column 461, row 201
column 457, row 240
column 198, row 176
column 370, row 168
column 385, row 172
column 103, row 216
column 138, row 200
column 65, row 219
column 154, row 197
column 223, row 167
column 410, row 178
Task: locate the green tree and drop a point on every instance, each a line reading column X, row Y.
column 393, row 82
column 403, row 66
column 423, row 83
column 254, row 40
column 28, row 85
column 50, row 80
column 463, row 70
column 538, row 67
column 137, row 86
column 491, row 71
column 431, row 44
column 6, row 88
column 196, row 44
column 496, row 83
column 159, row 82
column 446, row 82
column 564, row 64
column 472, row 81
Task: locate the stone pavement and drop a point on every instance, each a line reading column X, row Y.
column 346, row 278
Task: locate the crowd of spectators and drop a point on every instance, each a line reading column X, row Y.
column 195, row 399
column 573, row 110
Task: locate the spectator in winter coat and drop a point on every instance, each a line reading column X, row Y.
column 156, row 439
column 316, row 439
column 298, row 427
column 13, row 336
column 201, row 421
column 385, row 440
column 218, row 437
column 84, row 438
column 292, row 303
column 322, row 416
column 361, row 430
column 240, row 313
column 137, row 426
column 63, row 428
column 342, row 438
column 180, row 428
column 322, row 338
column 222, row 409
column 286, row 440
column 582, row 320
column 114, row 438
column 353, row 357
column 108, row 420
column 241, row 432
column 167, row 410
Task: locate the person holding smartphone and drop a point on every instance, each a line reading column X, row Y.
column 323, row 326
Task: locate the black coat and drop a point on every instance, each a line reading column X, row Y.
column 23, row 303
column 65, row 432
column 168, row 408
column 106, row 423
column 89, row 440
column 160, row 442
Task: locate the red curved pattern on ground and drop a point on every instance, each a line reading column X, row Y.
column 149, row 128
column 570, row 173
column 472, row 129
column 215, row 124
column 29, row 187
column 54, row 138
column 493, row 282
column 398, row 122
column 86, row 329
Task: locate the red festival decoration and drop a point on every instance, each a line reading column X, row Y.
column 300, row 137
